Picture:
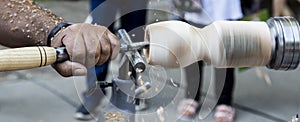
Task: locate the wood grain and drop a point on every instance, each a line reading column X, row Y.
column 26, row 58
column 223, row 44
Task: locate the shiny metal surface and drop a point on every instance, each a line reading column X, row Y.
column 133, row 46
column 285, row 34
column 136, row 61
column 142, row 89
column 134, row 56
column 61, row 54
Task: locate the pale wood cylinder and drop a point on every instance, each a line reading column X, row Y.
column 223, row 44
column 26, row 58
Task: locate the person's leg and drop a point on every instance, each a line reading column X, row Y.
column 133, row 14
column 194, row 82
column 91, row 102
column 98, row 73
column 188, row 107
column 133, row 18
column 104, row 13
column 224, row 110
column 95, row 3
column 227, row 91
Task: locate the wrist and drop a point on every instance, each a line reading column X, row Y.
column 57, row 29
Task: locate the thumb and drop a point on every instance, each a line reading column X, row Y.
column 69, row 68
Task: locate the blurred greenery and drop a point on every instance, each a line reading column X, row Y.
column 242, row 69
column 262, row 15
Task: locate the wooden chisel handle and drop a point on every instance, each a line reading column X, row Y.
column 27, row 58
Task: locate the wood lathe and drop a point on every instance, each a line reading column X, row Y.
column 275, row 43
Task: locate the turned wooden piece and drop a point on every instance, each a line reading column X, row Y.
column 26, row 58
column 222, row 43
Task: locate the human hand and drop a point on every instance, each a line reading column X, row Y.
column 87, row 45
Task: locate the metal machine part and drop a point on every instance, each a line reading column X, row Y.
column 285, row 34
column 133, row 56
column 133, row 46
column 137, row 61
column 61, row 54
column 294, row 119
column 127, row 85
column 142, row 89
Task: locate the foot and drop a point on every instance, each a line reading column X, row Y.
column 83, row 114
column 187, row 109
column 141, row 106
column 224, row 113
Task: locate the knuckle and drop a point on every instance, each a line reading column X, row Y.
column 97, row 54
column 77, row 55
column 115, row 44
column 106, row 48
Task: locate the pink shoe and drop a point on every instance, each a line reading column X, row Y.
column 224, row 113
column 187, row 109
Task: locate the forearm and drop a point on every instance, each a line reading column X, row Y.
column 25, row 24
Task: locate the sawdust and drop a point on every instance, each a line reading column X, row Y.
column 114, row 117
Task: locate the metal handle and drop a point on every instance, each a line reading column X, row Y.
column 61, row 54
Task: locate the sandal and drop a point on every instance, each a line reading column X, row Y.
column 187, row 109
column 224, row 113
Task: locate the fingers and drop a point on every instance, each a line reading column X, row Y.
column 69, row 68
column 115, row 44
column 77, row 49
column 73, row 41
column 94, row 50
column 110, row 45
column 105, row 47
